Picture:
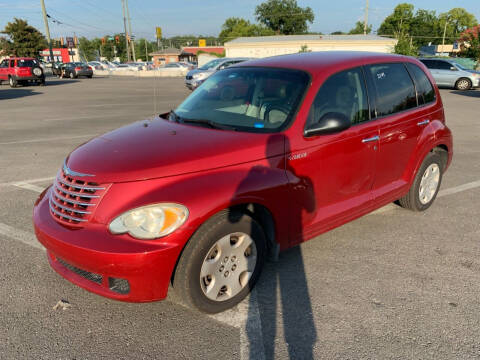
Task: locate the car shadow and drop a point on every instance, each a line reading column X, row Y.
column 282, row 290
column 8, row 94
column 469, row 93
column 56, row 82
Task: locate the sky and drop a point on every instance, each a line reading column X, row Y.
column 95, row 18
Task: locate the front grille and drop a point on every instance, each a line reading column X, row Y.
column 83, row 273
column 189, row 77
column 73, row 201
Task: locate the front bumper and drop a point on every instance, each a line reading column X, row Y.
column 476, row 82
column 193, row 84
column 96, row 260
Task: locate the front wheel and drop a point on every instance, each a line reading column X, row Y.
column 72, row 75
column 221, row 262
column 425, row 187
column 463, row 84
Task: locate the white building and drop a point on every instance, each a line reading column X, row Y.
column 263, row 46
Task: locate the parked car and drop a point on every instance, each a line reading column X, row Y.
column 450, row 74
column 21, row 70
column 175, row 65
column 97, row 65
column 273, row 152
column 75, row 69
column 195, row 77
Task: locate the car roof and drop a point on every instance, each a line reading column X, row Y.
column 316, row 62
column 19, row 58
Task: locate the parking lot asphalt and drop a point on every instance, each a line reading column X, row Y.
column 391, row 285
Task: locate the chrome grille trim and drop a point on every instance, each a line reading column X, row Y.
column 66, row 208
column 81, row 187
column 65, row 215
column 72, row 201
column 59, row 188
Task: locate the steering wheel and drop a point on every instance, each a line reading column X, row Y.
column 269, row 107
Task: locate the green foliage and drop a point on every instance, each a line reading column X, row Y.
column 304, row 48
column 456, row 20
column 358, row 29
column 338, row 33
column 24, row 40
column 398, row 21
column 140, row 49
column 471, row 39
column 237, row 27
column 405, row 46
column 284, row 16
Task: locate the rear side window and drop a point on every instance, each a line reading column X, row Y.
column 26, row 63
column 344, row 93
column 429, row 63
column 425, row 91
column 394, row 88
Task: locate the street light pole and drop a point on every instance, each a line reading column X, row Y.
column 125, row 29
column 47, row 30
column 365, row 22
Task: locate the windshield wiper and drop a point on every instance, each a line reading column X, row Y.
column 209, row 123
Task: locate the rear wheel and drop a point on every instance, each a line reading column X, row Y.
column 72, row 75
column 427, row 182
column 12, row 82
column 221, row 262
column 463, row 84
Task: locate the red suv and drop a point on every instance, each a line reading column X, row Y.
column 198, row 197
column 21, row 70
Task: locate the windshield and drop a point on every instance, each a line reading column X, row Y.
column 27, row 63
column 211, row 64
column 246, row 99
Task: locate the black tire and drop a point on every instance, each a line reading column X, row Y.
column 72, row 75
column 12, row 82
column 187, row 280
column 89, row 76
column 412, row 199
column 463, row 84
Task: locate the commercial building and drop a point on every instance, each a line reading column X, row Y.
column 264, row 46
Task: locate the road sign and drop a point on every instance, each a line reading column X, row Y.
column 202, row 42
column 110, row 38
column 159, row 32
column 69, row 41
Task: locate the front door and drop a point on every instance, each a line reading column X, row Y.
column 332, row 175
column 3, row 69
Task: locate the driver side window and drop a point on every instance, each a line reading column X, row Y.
column 343, row 93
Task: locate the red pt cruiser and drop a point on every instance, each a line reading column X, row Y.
column 262, row 156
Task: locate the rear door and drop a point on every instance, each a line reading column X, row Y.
column 400, row 124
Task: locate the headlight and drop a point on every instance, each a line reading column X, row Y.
column 151, row 221
column 200, row 76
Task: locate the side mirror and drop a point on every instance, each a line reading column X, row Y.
column 453, row 68
column 330, row 123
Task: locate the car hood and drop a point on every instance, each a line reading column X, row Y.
column 196, row 71
column 157, row 148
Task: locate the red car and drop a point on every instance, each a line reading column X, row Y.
column 21, row 70
column 199, row 197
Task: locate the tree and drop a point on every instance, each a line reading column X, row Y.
column 358, row 29
column 405, row 45
column 338, row 33
column 471, row 39
column 24, row 40
column 237, row 27
column 284, row 16
column 425, row 28
column 454, row 22
column 398, row 21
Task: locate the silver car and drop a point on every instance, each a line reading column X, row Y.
column 450, row 74
column 196, row 77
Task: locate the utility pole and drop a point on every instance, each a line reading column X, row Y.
column 365, row 22
column 130, row 31
column 47, row 30
column 444, row 33
column 146, row 51
column 125, row 29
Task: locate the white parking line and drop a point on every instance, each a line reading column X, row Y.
column 460, row 188
column 29, row 181
column 28, row 186
column 20, row 235
column 47, row 139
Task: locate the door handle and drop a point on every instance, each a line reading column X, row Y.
column 374, row 138
column 424, row 122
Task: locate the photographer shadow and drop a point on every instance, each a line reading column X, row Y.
column 282, row 289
